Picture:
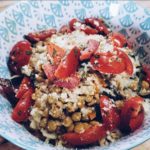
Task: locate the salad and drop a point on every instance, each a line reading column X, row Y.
column 80, row 86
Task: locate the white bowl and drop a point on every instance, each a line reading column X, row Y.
column 26, row 16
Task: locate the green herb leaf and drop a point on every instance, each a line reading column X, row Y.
column 84, row 75
column 28, row 52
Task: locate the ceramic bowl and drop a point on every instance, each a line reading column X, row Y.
column 27, row 16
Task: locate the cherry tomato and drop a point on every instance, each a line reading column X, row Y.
column 128, row 62
column 64, row 29
column 56, row 53
column 77, row 25
column 98, row 24
column 89, row 136
column 21, row 111
column 108, row 63
column 132, row 114
column 146, row 69
column 40, row 36
column 19, row 56
column 118, row 39
column 69, row 65
column 49, row 71
column 90, row 50
column 69, row 83
column 71, row 23
column 110, row 115
column 24, row 87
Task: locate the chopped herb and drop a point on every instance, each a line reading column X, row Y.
column 19, row 113
column 84, row 75
column 97, row 56
column 54, row 52
column 28, row 52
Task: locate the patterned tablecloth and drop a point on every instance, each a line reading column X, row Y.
column 4, row 144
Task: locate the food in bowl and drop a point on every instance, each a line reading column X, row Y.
column 81, row 86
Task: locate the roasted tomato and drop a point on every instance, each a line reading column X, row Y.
column 21, row 111
column 65, row 29
column 132, row 114
column 146, row 69
column 56, row 53
column 128, row 62
column 110, row 114
column 69, row 65
column 90, row 50
column 118, row 39
column 49, row 70
column 69, row 83
column 19, row 56
column 75, row 24
column 108, row 63
column 24, row 87
column 113, row 63
column 40, row 36
column 89, row 136
column 98, row 24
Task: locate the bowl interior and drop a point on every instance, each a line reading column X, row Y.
column 27, row 16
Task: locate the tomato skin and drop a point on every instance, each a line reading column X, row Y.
column 108, row 63
column 128, row 62
column 146, row 69
column 69, row 83
column 69, row 65
column 19, row 56
column 89, row 136
column 132, row 114
column 90, row 50
column 65, row 29
column 98, row 24
column 71, row 23
column 56, row 53
column 118, row 39
column 110, row 115
column 50, row 71
column 88, row 30
column 83, row 27
column 21, row 111
column 24, row 87
column 40, row 36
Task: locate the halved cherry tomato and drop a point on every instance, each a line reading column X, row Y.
column 69, row 83
column 132, row 114
column 24, row 87
column 56, row 53
column 21, row 111
column 128, row 62
column 65, row 29
column 69, row 65
column 108, row 63
column 75, row 24
column 98, row 24
column 91, row 49
column 72, row 22
column 50, row 71
column 19, row 56
column 118, row 39
column 40, row 36
column 110, row 115
column 89, row 136
column 146, row 69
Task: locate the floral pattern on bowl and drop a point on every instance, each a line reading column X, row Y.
column 27, row 16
